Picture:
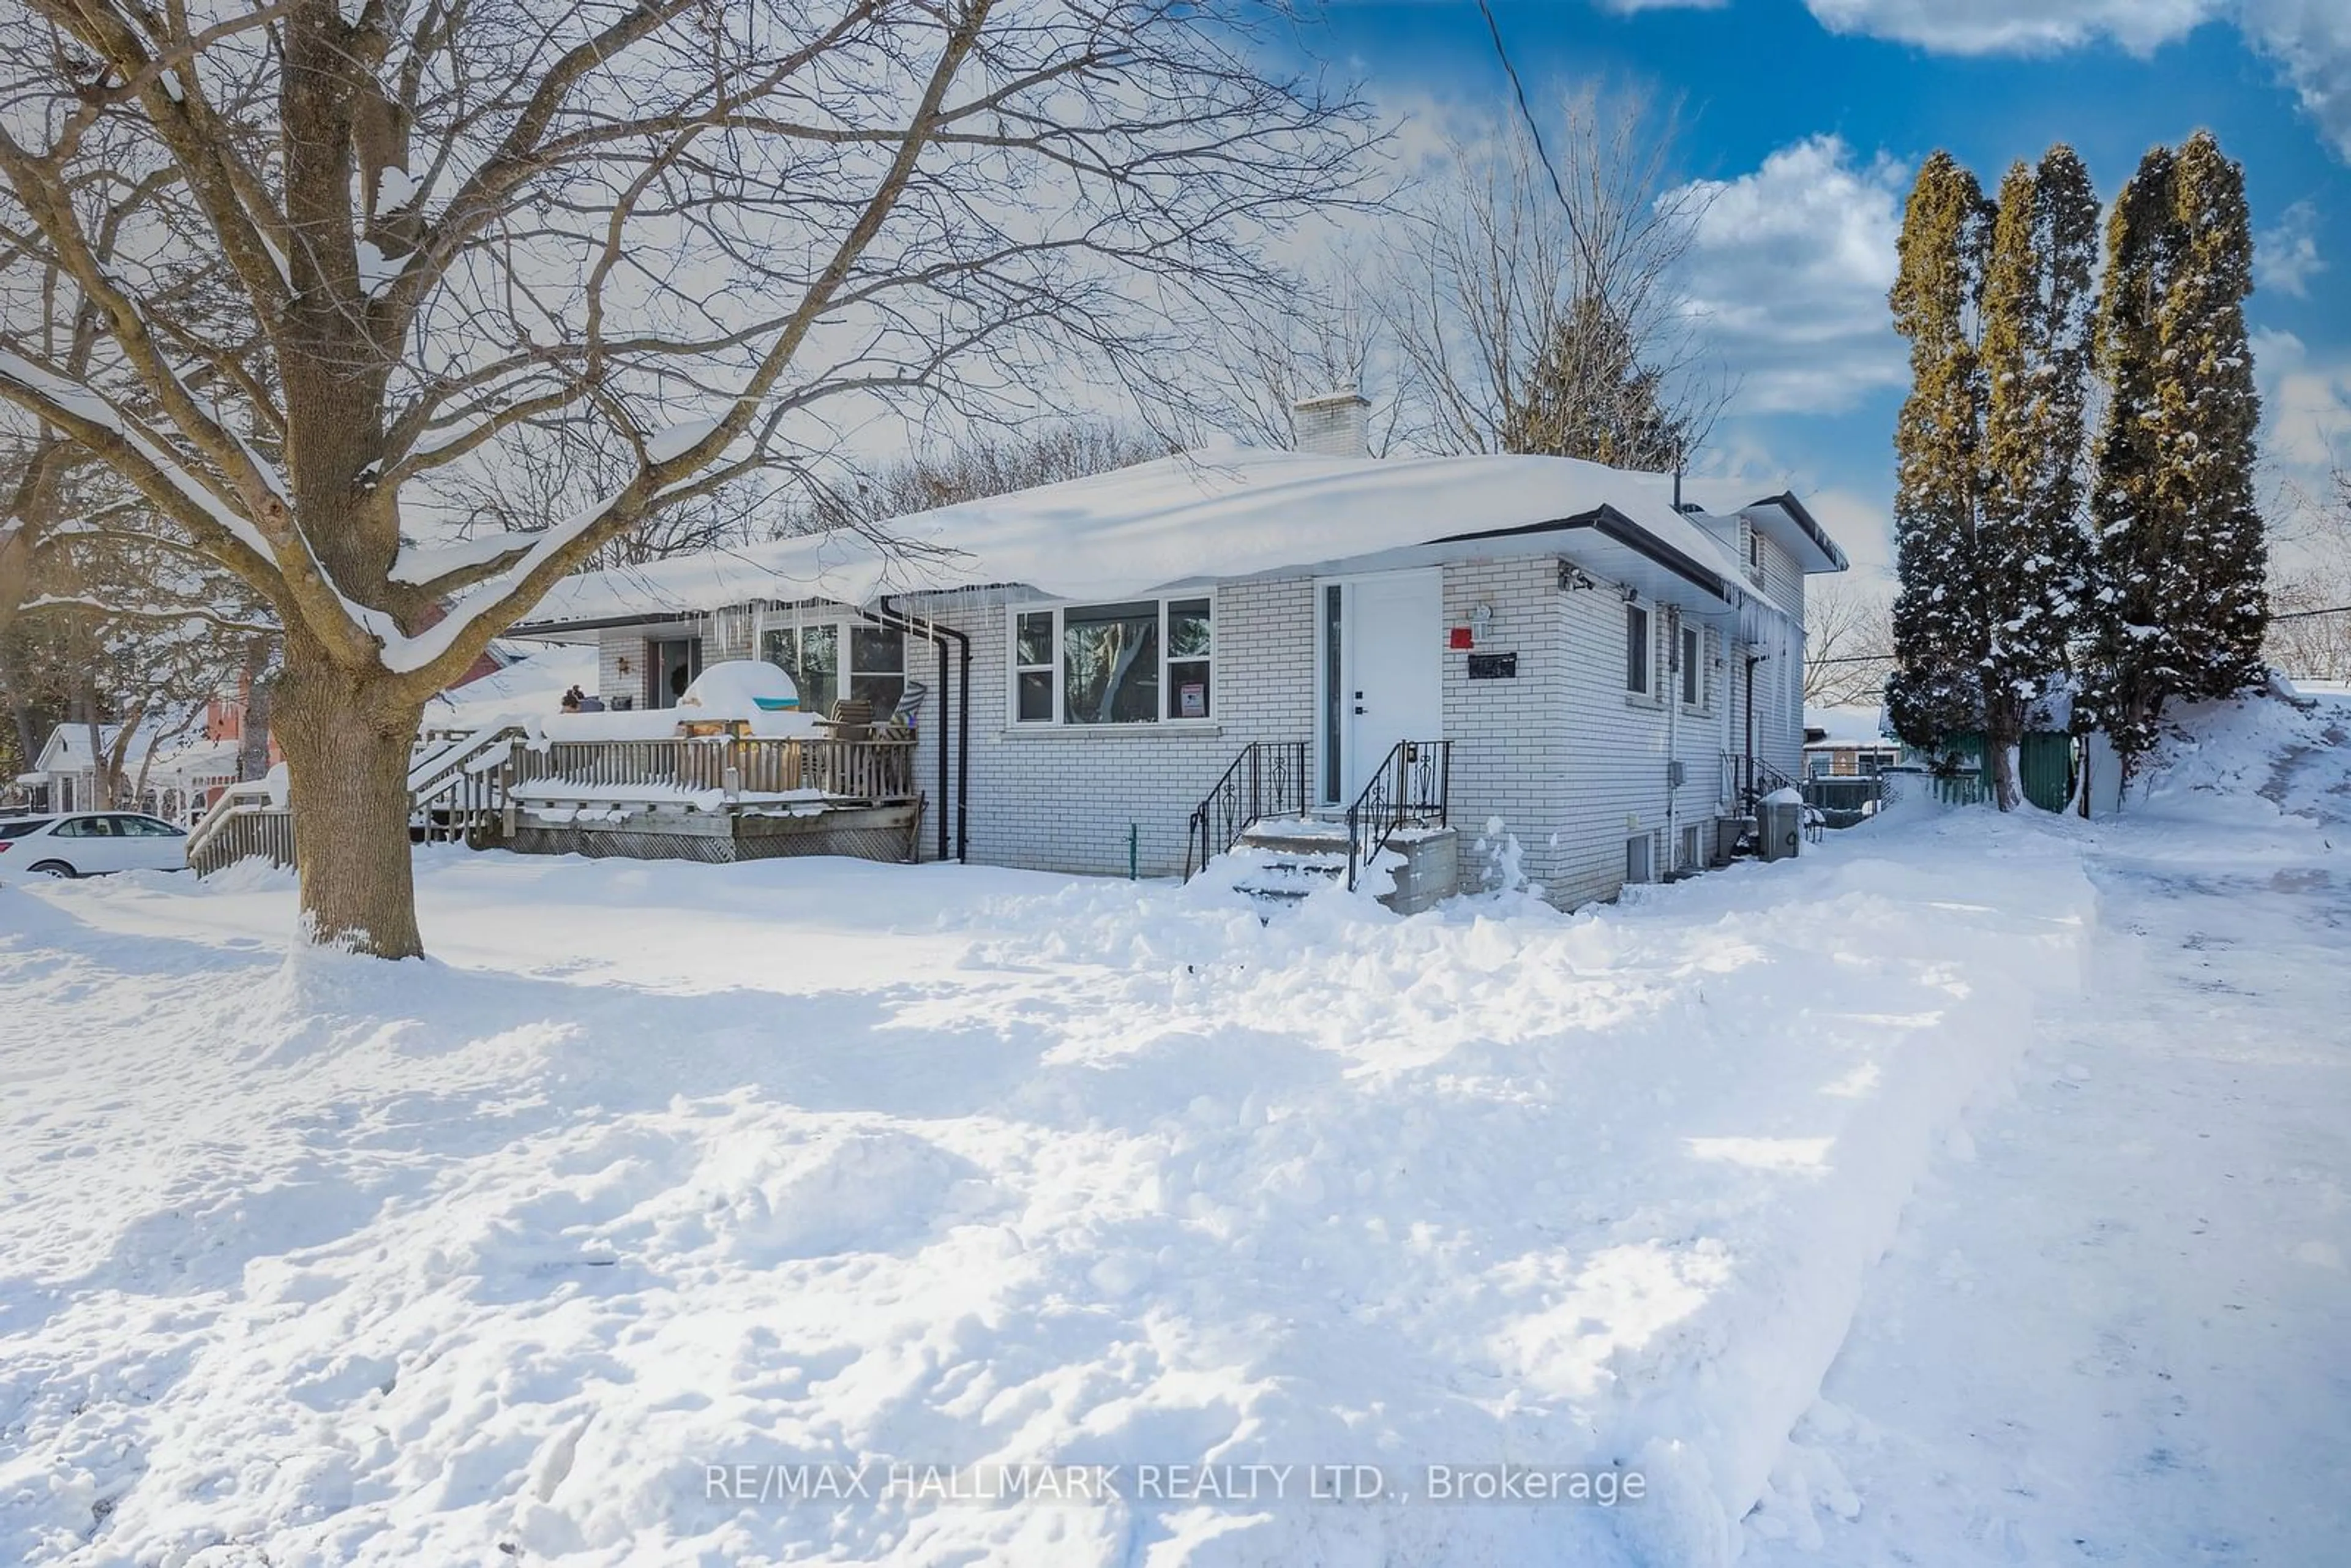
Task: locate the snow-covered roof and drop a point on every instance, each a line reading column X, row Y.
column 68, row 750
column 1193, row 517
column 532, row 685
column 1859, row 724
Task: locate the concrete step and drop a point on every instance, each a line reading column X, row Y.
column 1299, row 836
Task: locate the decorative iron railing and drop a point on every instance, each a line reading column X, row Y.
column 1412, row 788
column 1267, row 779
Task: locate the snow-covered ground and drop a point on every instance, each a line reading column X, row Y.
column 2116, row 1326
column 661, row 1171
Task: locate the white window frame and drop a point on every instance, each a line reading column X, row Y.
column 843, row 626
column 1692, row 656
column 1648, row 641
column 1058, row 722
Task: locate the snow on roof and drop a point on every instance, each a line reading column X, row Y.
column 1216, row 514
column 68, row 751
column 1857, row 725
column 532, row 685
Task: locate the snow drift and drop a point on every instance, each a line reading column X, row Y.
column 675, row 1168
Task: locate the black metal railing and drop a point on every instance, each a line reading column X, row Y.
column 1413, row 786
column 1747, row 779
column 1267, row 779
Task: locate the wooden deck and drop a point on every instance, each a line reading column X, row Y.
column 711, row 798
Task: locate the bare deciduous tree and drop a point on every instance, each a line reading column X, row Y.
column 393, row 240
column 1538, row 304
column 2309, row 632
column 1848, row 643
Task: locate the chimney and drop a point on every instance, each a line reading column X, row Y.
column 1336, row 424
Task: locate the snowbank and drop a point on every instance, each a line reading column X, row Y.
column 672, row 1167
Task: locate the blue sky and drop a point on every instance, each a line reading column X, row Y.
column 1813, row 117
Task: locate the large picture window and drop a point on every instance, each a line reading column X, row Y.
column 1146, row 661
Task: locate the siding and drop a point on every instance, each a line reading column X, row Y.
column 1062, row 800
column 1561, row 758
column 611, row 647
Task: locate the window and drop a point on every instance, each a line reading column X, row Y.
column 1189, row 636
column 86, row 828
column 17, row 830
column 1693, row 666
column 1033, row 667
column 1143, row 661
column 1637, row 650
column 812, row 656
column 1754, row 547
column 877, row 666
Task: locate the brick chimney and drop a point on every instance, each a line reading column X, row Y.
column 1336, row 424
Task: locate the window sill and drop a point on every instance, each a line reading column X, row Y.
column 1085, row 731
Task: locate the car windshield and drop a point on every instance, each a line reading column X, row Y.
column 18, row 829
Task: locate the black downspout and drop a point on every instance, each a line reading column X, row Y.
column 939, row 646
column 937, row 635
column 1752, row 660
column 963, row 756
column 935, row 631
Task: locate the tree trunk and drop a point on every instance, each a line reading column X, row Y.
column 2006, row 791
column 2003, row 731
column 253, row 725
column 346, row 736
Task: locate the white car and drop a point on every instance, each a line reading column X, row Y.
column 90, row 843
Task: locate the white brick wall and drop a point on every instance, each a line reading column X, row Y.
column 611, row 647
column 1058, row 798
column 1570, row 762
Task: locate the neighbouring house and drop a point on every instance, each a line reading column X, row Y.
column 1848, row 742
column 1609, row 664
column 171, row 778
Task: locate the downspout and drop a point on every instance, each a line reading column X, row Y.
column 935, row 631
column 962, row 755
column 1673, row 738
column 1752, row 660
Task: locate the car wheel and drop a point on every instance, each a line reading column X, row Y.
column 53, row 868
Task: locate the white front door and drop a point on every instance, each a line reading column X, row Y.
column 1387, row 682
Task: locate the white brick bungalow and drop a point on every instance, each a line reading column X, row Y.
column 1120, row 639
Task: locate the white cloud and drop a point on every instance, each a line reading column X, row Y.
column 2305, row 404
column 1791, row 266
column 2286, row 257
column 2310, row 40
column 2016, row 27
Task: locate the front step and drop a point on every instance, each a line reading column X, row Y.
column 1302, row 836
column 1280, row 876
column 1277, row 862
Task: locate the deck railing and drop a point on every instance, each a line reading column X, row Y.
column 242, row 822
column 866, row 768
column 461, row 786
